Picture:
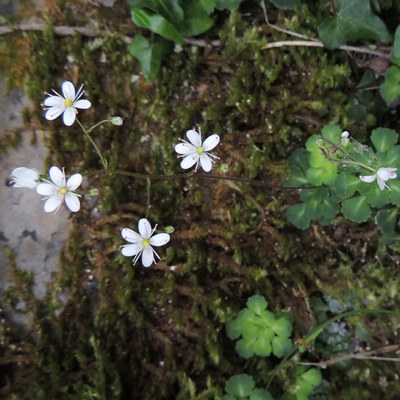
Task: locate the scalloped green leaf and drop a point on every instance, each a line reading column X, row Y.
column 329, row 207
column 245, row 347
column 322, row 176
column 395, row 193
column 298, row 216
column 387, row 220
column 356, row 209
column 391, row 157
column 384, row 139
column 377, row 197
column 331, row 132
column 280, row 346
column 312, row 376
column 354, row 20
column 260, row 394
column 347, row 184
column 282, row 327
column 262, row 347
column 257, row 303
column 240, row 385
column 250, row 331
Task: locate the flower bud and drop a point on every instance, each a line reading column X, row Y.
column 169, row 229
column 345, row 135
column 320, row 143
column 117, row 121
column 93, row 192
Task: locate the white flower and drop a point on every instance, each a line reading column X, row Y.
column 197, row 152
column 25, row 178
column 142, row 242
column 382, row 175
column 57, row 104
column 60, row 190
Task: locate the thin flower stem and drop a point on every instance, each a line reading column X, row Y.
column 103, row 160
column 351, row 162
column 98, row 124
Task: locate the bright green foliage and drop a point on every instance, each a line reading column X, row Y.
column 260, row 331
column 390, row 88
column 304, row 382
column 149, row 55
column 337, row 183
column 173, row 20
column 354, row 20
column 243, row 387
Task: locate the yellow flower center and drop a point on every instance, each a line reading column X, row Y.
column 68, row 102
column 63, row 190
column 199, row 150
column 145, row 242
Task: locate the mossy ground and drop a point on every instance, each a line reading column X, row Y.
column 132, row 332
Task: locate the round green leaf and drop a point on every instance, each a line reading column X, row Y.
column 257, row 303
column 331, row 132
column 356, row 209
column 384, row 139
column 299, row 216
column 347, row 184
column 280, row 346
column 240, row 385
column 261, row 394
column 395, row 192
column 387, row 219
column 245, row 347
column 262, row 347
column 312, row 376
column 282, row 327
column 377, row 197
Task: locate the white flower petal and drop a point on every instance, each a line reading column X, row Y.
column 367, row 178
column 57, row 176
column 69, row 116
column 147, row 256
column 160, row 239
column 72, row 202
column 85, row 104
column 68, row 90
column 205, row 162
column 393, row 175
column 194, row 138
column 54, row 112
column 25, row 177
column 383, row 174
column 25, row 173
column 381, row 183
column 130, row 250
column 52, row 101
column 74, row 181
column 211, row 142
column 46, row 189
column 185, row 148
column 144, row 228
column 189, row 161
column 52, row 204
column 131, row 236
